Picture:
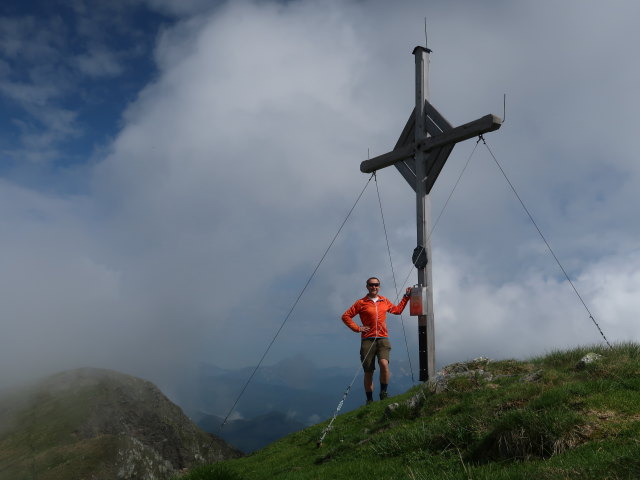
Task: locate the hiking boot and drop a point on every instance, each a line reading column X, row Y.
column 369, row 402
column 383, row 395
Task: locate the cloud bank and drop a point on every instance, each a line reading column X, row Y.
column 236, row 164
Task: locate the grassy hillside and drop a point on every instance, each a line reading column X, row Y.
column 546, row 418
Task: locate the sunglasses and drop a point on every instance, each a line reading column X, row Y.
column 373, row 284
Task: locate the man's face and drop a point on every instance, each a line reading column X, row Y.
column 373, row 286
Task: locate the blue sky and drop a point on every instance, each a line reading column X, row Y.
column 69, row 71
column 171, row 172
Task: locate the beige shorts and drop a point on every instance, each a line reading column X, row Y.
column 372, row 347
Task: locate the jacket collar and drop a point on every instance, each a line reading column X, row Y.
column 367, row 298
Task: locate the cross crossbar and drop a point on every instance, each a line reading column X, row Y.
column 488, row 123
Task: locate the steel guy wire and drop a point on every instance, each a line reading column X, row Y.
column 362, row 360
column 296, row 302
column 393, row 273
column 443, row 209
column 545, row 241
column 346, row 392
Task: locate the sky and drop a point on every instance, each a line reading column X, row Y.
column 172, row 171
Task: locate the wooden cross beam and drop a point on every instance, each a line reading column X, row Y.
column 419, row 155
column 427, row 144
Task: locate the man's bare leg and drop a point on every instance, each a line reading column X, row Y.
column 385, row 371
column 385, row 375
column 368, row 381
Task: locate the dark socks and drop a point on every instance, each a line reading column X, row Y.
column 369, row 395
column 383, row 387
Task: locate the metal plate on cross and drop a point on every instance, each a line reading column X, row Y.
column 419, row 257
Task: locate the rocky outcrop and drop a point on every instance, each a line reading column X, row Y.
column 475, row 369
column 590, row 357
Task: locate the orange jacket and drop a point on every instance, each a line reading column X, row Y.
column 372, row 315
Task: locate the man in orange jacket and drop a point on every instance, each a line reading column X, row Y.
column 373, row 309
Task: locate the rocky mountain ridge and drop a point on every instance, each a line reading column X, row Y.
column 99, row 424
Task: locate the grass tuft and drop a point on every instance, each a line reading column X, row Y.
column 217, row 471
column 527, row 433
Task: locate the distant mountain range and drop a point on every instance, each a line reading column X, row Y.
column 280, row 399
column 252, row 435
column 99, row 424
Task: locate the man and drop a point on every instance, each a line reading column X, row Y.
column 373, row 309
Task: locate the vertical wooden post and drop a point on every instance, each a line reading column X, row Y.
column 426, row 338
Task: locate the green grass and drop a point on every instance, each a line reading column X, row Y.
column 568, row 423
column 45, row 425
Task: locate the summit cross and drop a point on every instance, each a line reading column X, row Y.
column 419, row 155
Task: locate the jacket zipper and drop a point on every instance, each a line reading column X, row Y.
column 375, row 332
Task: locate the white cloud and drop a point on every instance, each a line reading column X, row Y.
column 235, row 167
column 99, row 63
column 534, row 313
column 26, row 38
